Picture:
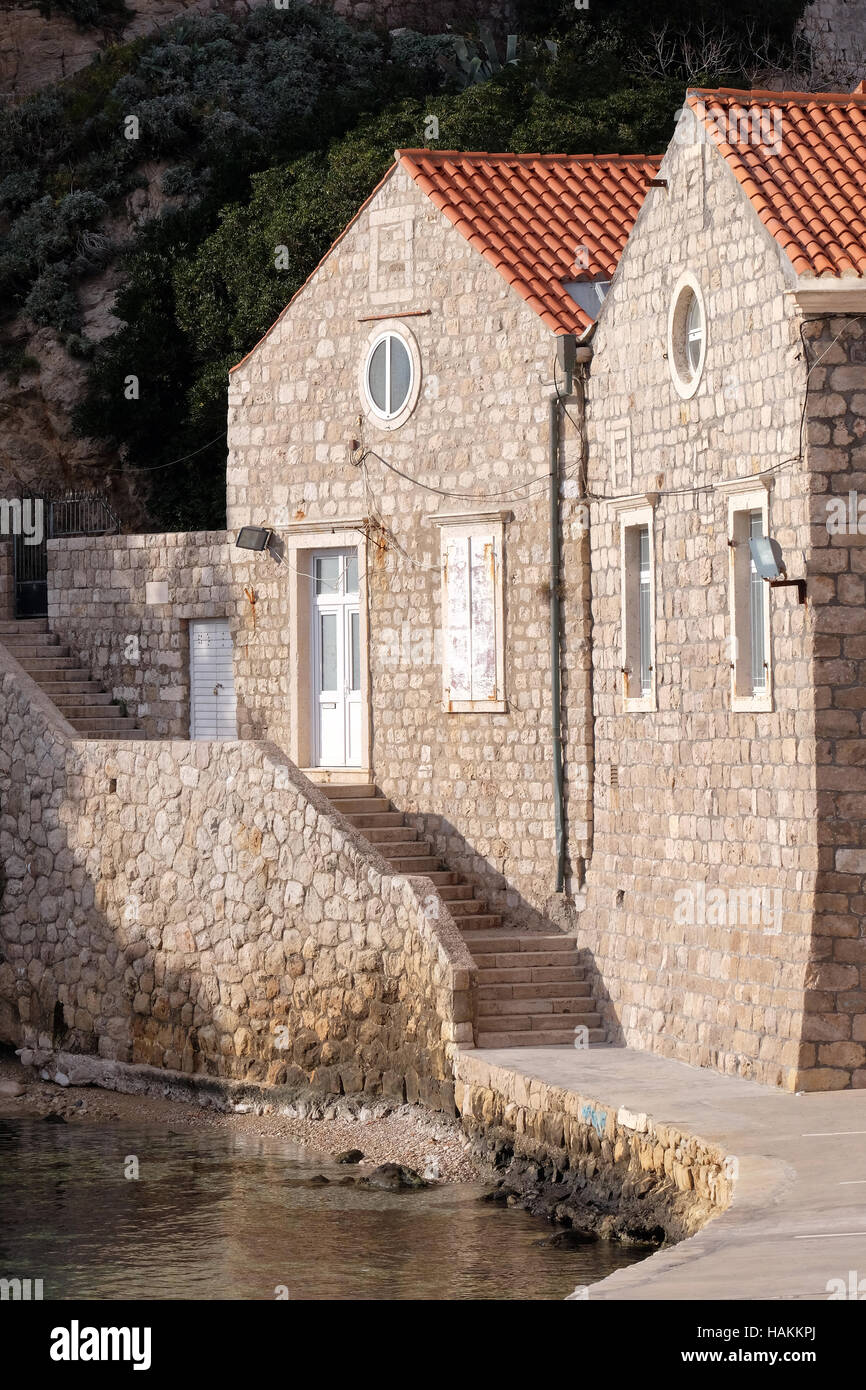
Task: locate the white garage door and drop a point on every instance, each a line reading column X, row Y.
column 213, row 711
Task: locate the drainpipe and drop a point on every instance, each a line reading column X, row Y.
column 555, row 641
column 565, row 351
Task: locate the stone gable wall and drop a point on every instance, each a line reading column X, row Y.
column 696, row 794
column 179, row 904
column 479, row 782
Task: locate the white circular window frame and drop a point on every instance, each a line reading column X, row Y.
column 371, row 411
column 685, row 382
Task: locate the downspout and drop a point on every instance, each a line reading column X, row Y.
column 567, row 353
column 555, row 638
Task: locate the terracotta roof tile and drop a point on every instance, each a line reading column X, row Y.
column 804, row 169
column 528, row 213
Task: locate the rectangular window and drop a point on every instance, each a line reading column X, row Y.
column 473, row 657
column 644, row 612
column 749, row 605
column 638, row 609
column 757, row 602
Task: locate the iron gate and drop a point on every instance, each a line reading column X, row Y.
column 74, row 514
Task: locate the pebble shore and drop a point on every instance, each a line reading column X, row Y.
column 431, row 1143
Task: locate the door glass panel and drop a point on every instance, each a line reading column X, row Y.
column 327, row 574
column 352, row 574
column 355, row 631
column 328, row 631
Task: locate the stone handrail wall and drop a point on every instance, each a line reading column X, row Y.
column 201, row 907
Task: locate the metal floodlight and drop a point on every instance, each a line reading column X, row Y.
column 254, row 538
column 767, row 559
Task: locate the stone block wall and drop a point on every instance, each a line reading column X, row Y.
column 695, row 797
column 834, row 1036
column 199, row 907
column 587, row 1162
column 476, row 441
column 139, row 651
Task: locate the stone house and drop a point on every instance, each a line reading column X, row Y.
column 727, row 400
column 538, row 458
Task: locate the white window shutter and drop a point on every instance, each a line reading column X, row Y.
column 458, row 645
column 483, row 617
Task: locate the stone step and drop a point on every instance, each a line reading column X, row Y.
column 571, row 989
column 38, row 665
column 452, row 893
column 32, row 642
column 371, row 821
column 349, row 790
column 515, row 960
column 470, row 907
column 9, row 627
column 486, row 921
column 531, row 945
column 390, row 834
column 536, row 1009
column 75, row 712
column 351, row 806
column 407, row 849
column 119, row 724
column 555, row 1038
column 419, row 864
column 538, row 975
column 444, row 878
column 64, row 699
column 123, row 737
column 81, row 689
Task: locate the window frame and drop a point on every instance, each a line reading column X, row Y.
column 686, row 380
column 633, row 520
column 383, row 330
column 481, row 527
column 744, row 698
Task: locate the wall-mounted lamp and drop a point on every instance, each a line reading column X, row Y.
column 767, row 559
column 254, row 537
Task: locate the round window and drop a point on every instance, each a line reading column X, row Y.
column 687, row 336
column 388, row 375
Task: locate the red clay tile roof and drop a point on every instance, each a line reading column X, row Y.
column 804, row 171
column 528, row 213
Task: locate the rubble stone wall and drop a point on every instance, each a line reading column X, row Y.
column 200, row 907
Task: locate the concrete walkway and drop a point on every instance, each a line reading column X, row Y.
column 798, row 1218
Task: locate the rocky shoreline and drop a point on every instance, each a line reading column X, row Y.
column 594, row 1177
column 408, row 1135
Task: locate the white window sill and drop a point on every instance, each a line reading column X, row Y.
column 640, row 704
column 475, row 707
column 751, row 704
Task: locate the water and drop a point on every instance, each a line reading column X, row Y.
column 217, row 1215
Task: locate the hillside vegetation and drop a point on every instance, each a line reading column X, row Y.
column 268, row 130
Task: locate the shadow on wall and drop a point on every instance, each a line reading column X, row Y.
column 200, row 907
column 517, row 913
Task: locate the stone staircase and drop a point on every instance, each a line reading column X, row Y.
column 532, row 990
column 68, row 685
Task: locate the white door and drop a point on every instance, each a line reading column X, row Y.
column 336, row 659
column 213, row 710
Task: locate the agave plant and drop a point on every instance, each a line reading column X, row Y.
column 470, row 62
